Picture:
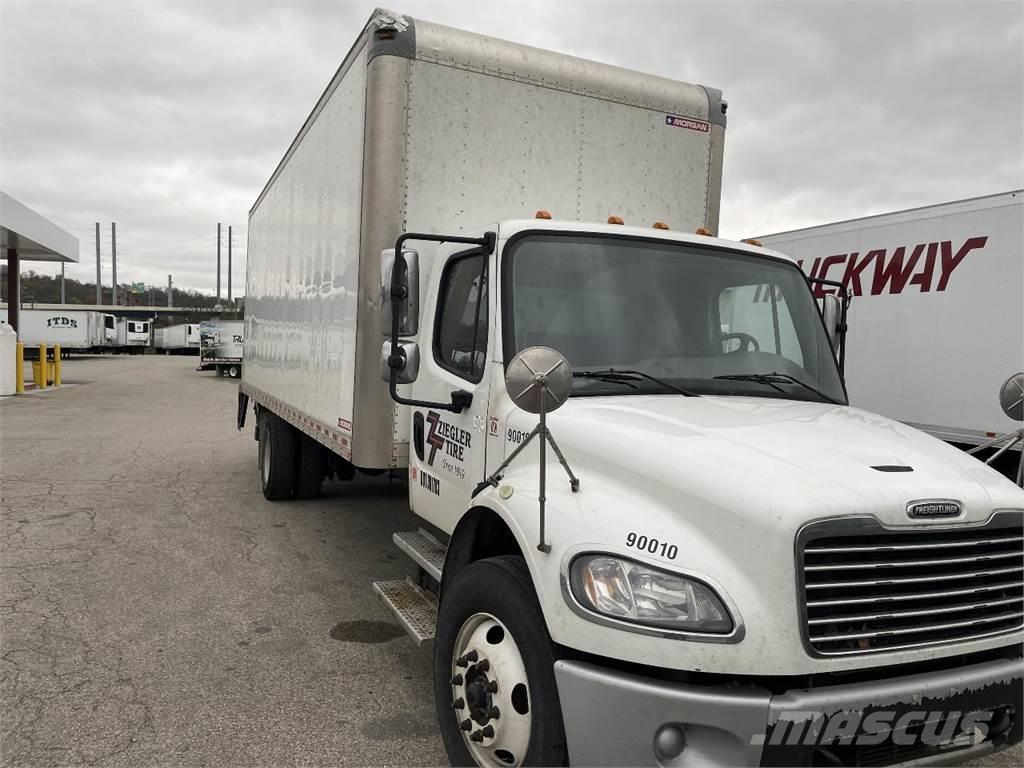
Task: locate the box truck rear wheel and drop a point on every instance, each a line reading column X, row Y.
column 276, row 456
column 233, row 371
column 494, row 680
column 309, row 468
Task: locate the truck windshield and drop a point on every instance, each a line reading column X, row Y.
column 704, row 320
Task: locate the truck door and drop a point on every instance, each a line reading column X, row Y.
column 447, row 457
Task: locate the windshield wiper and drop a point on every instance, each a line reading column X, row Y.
column 625, row 376
column 775, row 378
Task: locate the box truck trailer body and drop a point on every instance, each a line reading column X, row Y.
column 508, row 129
column 936, row 318
column 182, row 338
column 705, row 574
column 221, row 346
column 74, row 330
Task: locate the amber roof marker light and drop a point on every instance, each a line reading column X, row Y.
column 752, row 241
column 615, row 220
column 703, row 231
column 542, row 215
column 660, row 225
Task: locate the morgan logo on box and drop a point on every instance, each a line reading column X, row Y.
column 926, row 510
column 687, row 122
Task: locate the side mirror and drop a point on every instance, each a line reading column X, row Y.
column 406, row 361
column 408, row 303
column 832, row 313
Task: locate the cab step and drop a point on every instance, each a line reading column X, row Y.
column 425, row 550
column 415, row 608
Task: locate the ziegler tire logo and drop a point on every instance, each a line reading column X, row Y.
column 448, row 438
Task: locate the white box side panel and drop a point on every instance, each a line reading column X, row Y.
column 303, row 264
column 924, row 349
column 484, row 148
column 44, row 326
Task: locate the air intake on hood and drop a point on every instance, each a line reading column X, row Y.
column 893, row 468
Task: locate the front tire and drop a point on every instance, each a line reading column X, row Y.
column 494, row 680
column 276, row 457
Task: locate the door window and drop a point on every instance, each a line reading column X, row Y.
column 460, row 343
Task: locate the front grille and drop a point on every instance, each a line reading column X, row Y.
column 867, row 589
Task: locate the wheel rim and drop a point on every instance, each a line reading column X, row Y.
column 265, row 460
column 490, row 692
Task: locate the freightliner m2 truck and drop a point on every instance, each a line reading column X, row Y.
column 718, row 560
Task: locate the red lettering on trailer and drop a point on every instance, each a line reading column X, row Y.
column 895, row 271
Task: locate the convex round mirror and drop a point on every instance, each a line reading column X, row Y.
column 1011, row 396
column 539, row 375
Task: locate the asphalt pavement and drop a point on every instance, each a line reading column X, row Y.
column 156, row 610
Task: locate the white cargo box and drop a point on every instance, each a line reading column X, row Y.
column 429, row 129
column 936, row 319
column 74, row 330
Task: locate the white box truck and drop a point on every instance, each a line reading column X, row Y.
column 75, row 330
column 738, row 568
column 179, row 339
column 220, row 346
column 936, row 313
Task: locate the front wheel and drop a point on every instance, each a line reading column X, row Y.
column 494, row 680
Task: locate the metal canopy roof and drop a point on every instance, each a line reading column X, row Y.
column 34, row 237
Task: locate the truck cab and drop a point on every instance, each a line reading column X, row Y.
column 738, row 534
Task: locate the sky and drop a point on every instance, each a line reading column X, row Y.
column 168, row 117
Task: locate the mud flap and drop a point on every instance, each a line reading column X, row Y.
column 243, row 406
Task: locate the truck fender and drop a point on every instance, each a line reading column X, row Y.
column 481, row 532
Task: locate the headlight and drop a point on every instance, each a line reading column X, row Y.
column 622, row 589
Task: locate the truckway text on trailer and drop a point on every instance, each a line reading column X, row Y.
column 718, row 560
column 929, row 286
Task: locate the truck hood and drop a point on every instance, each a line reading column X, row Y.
column 791, row 458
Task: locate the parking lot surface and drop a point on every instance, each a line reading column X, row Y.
column 156, row 610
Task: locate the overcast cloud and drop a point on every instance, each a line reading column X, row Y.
column 168, row 117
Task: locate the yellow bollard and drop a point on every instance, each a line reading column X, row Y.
column 56, row 365
column 19, row 368
column 42, row 366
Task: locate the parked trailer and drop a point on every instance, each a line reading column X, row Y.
column 720, row 550
column 75, row 330
column 181, row 339
column 221, row 346
column 936, row 312
column 132, row 336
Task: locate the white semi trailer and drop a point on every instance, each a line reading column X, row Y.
column 936, row 309
column 182, row 338
column 131, row 336
column 738, row 567
column 74, row 330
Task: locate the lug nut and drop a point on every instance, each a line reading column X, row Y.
column 461, row 662
column 466, row 724
column 476, row 736
column 493, row 713
column 487, row 731
column 471, row 656
column 483, row 666
column 457, row 680
column 458, row 703
column 492, row 686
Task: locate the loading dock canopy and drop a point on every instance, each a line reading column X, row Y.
column 33, row 237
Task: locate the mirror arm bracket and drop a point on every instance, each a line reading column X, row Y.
column 460, row 399
column 842, row 325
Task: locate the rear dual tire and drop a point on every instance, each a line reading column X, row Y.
column 291, row 463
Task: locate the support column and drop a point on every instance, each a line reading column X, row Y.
column 13, row 287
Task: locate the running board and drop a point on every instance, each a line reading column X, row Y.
column 414, row 608
column 426, row 551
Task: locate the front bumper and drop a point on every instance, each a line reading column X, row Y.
column 619, row 718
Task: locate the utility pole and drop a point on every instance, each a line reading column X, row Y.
column 99, row 285
column 229, row 264
column 113, row 260
column 62, row 283
column 170, row 291
column 218, row 262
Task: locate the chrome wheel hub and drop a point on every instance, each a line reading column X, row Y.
column 490, row 692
